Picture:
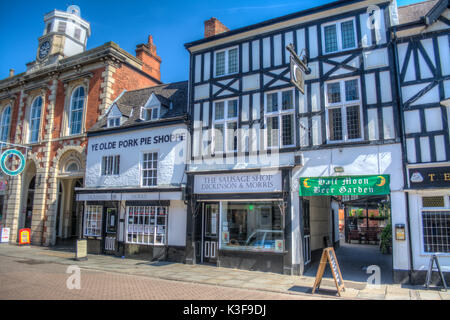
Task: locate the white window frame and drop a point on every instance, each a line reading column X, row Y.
column 141, row 168
column 97, row 209
column 112, row 122
column 224, row 122
column 6, row 126
column 145, row 111
column 140, row 234
column 343, row 106
column 423, row 209
column 110, row 159
column 226, row 70
column 69, row 124
column 338, row 24
column 280, row 113
column 30, row 133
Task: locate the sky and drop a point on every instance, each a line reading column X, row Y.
column 129, row 22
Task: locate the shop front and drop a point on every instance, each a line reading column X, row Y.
column 241, row 220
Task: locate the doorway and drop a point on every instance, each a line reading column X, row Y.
column 306, row 226
column 210, row 237
column 30, row 200
column 110, row 230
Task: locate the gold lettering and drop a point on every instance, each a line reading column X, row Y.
column 447, row 176
column 431, row 175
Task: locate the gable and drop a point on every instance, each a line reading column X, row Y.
column 152, row 102
column 114, row 112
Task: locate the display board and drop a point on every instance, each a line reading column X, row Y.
column 24, row 236
column 81, row 249
column 329, row 256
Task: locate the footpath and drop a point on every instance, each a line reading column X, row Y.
column 226, row 277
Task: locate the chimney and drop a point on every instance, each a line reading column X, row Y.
column 146, row 52
column 11, row 73
column 213, row 27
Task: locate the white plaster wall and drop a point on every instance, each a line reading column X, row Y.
column 171, row 158
column 177, row 224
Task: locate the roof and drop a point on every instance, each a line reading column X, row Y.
column 420, row 11
column 130, row 103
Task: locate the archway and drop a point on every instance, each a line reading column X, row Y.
column 28, row 192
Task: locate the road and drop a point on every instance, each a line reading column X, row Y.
column 32, row 279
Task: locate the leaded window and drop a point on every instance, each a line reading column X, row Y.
column 280, row 122
column 225, row 126
column 227, row 62
column 76, row 111
column 436, row 231
column 35, row 119
column 339, row 36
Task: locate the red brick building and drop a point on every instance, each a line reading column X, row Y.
column 46, row 112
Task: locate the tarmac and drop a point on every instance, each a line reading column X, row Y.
column 226, row 277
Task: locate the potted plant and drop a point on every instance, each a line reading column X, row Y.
column 386, row 239
column 360, row 213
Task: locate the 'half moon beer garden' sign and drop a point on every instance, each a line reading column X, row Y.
column 9, row 155
column 345, row 185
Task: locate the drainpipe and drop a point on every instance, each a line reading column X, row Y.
column 403, row 146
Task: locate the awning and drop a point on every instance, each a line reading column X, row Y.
column 345, row 185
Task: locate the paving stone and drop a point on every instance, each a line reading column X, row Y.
column 429, row 295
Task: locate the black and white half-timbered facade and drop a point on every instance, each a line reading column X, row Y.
column 423, row 51
column 255, row 135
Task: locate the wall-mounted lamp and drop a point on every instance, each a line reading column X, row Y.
column 338, row 169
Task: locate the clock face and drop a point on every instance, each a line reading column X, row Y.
column 44, row 49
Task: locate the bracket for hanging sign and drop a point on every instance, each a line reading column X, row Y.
column 298, row 68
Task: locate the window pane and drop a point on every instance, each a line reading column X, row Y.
column 272, row 132
column 219, row 110
column 351, row 90
column 353, row 122
column 437, row 202
column 233, row 61
column 286, row 100
column 218, row 137
column 232, row 109
column 335, row 123
column 220, row 63
column 288, row 129
column 272, row 102
column 436, row 231
column 231, row 136
column 4, row 125
column 348, row 34
column 330, row 38
column 334, row 92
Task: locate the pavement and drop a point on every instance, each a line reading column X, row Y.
column 214, row 277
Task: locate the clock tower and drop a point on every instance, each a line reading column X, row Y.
column 65, row 34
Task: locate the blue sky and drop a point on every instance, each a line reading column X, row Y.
column 129, row 22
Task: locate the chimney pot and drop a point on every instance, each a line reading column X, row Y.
column 11, row 72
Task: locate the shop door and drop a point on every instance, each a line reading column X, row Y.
column 210, row 232
column 306, row 233
column 110, row 234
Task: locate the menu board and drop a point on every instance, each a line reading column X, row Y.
column 329, row 256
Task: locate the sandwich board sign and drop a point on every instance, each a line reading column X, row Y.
column 329, row 256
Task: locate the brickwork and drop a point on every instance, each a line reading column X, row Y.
column 213, row 26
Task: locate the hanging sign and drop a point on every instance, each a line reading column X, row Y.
column 328, row 255
column 10, row 153
column 340, row 186
column 24, row 236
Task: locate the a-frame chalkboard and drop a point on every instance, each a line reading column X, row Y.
column 329, row 256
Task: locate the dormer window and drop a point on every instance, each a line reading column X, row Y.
column 114, row 117
column 150, row 113
column 114, row 122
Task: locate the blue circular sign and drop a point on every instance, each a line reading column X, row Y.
column 4, row 157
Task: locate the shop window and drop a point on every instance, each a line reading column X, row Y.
column 93, row 221
column 252, row 226
column 436, row 231
column 280, row 120
column 110, row 165
column 226, row 62
column 150, row 169
column 225, row 126
column 433, row 202
column 147, row 225
column 343, row 104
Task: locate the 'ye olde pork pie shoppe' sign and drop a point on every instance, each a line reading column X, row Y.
column 238, row 183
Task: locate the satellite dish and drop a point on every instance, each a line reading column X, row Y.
column 74, row 9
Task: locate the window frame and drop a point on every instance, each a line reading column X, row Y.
column 155, row 225
column 87, row 214
column 113, row 162
column 6, row 127
column 445, row 210
column 279, row 114
column 338, row 24
column 30, row 120
column 114, row 119
column 225, row 121
column 343, row 105
column 226, row 65
column 69, row 124
column 141, row 168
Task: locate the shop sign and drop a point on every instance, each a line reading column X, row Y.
column 238, row 183
column 348, row 185
column 437, row 177
column 5, row 235
column 8, row 154
column 24, row 236
column 94, row 197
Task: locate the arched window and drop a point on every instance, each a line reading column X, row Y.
column 35, row 119
column 76, row 111
column 5, row 123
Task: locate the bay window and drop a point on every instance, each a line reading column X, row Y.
column 225, row 116
column 343, row 110
column 280, row 119
column 339, row 36
column 147, row 225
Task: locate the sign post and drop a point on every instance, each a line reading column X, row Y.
column 328, row 255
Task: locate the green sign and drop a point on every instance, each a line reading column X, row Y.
column 340, row 186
